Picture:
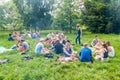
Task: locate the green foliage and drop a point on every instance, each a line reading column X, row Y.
column 35, row 13
column 10, row 19
column 47, row 69
column 101, row 16
column 67, row 16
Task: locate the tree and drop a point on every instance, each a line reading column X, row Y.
column 68, row 15
column 2, row 15
column 114, row 23
column 9, row 16
column 98, row 15
column 12, row 16
column 35, row 13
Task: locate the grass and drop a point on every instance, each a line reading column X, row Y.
column 41, row 69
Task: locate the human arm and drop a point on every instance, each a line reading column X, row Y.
column 65, row 52
column 81, row 32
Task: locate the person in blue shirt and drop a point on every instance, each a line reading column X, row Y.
column 79, row 34
column 85, row 54
column 39, row 47
column 10, row 37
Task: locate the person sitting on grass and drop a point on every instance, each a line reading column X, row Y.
column 68, row 53
column 111, row 51
column 97, row 47
column 39, row 47
column 105, row 53
column 18, row 38
column 85, row 54
column 95, row 41
column 23, row 46
column 58, row 47
column 29, row 35
column 10, row 37
column 102, row 55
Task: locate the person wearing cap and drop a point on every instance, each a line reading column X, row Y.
column 85, row 54
column 79, row 34
column 39, row 47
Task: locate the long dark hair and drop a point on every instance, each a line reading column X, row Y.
column 108, row 43
column 105, row 46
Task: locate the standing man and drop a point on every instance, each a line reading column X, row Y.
column 79, row 34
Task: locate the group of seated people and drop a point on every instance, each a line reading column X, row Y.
column 102, row 50
column 60, row 44
column 14, row 36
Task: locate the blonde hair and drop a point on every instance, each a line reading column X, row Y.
column 78, row 25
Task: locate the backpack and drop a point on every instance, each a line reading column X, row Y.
column 48, row 56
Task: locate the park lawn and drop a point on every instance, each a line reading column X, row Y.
column 42, row 69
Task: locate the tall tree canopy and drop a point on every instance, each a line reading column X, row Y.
column 101, row 16
column 9, row 16
column 35, row 13
column 68, row 15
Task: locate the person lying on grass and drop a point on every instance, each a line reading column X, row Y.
column 4, row 61
column 85, row 54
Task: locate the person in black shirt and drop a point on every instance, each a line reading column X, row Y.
column 79, row 34
column 58, row 47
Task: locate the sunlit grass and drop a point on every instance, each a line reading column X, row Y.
column 41, row 69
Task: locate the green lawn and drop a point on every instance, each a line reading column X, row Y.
column 41, row 69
